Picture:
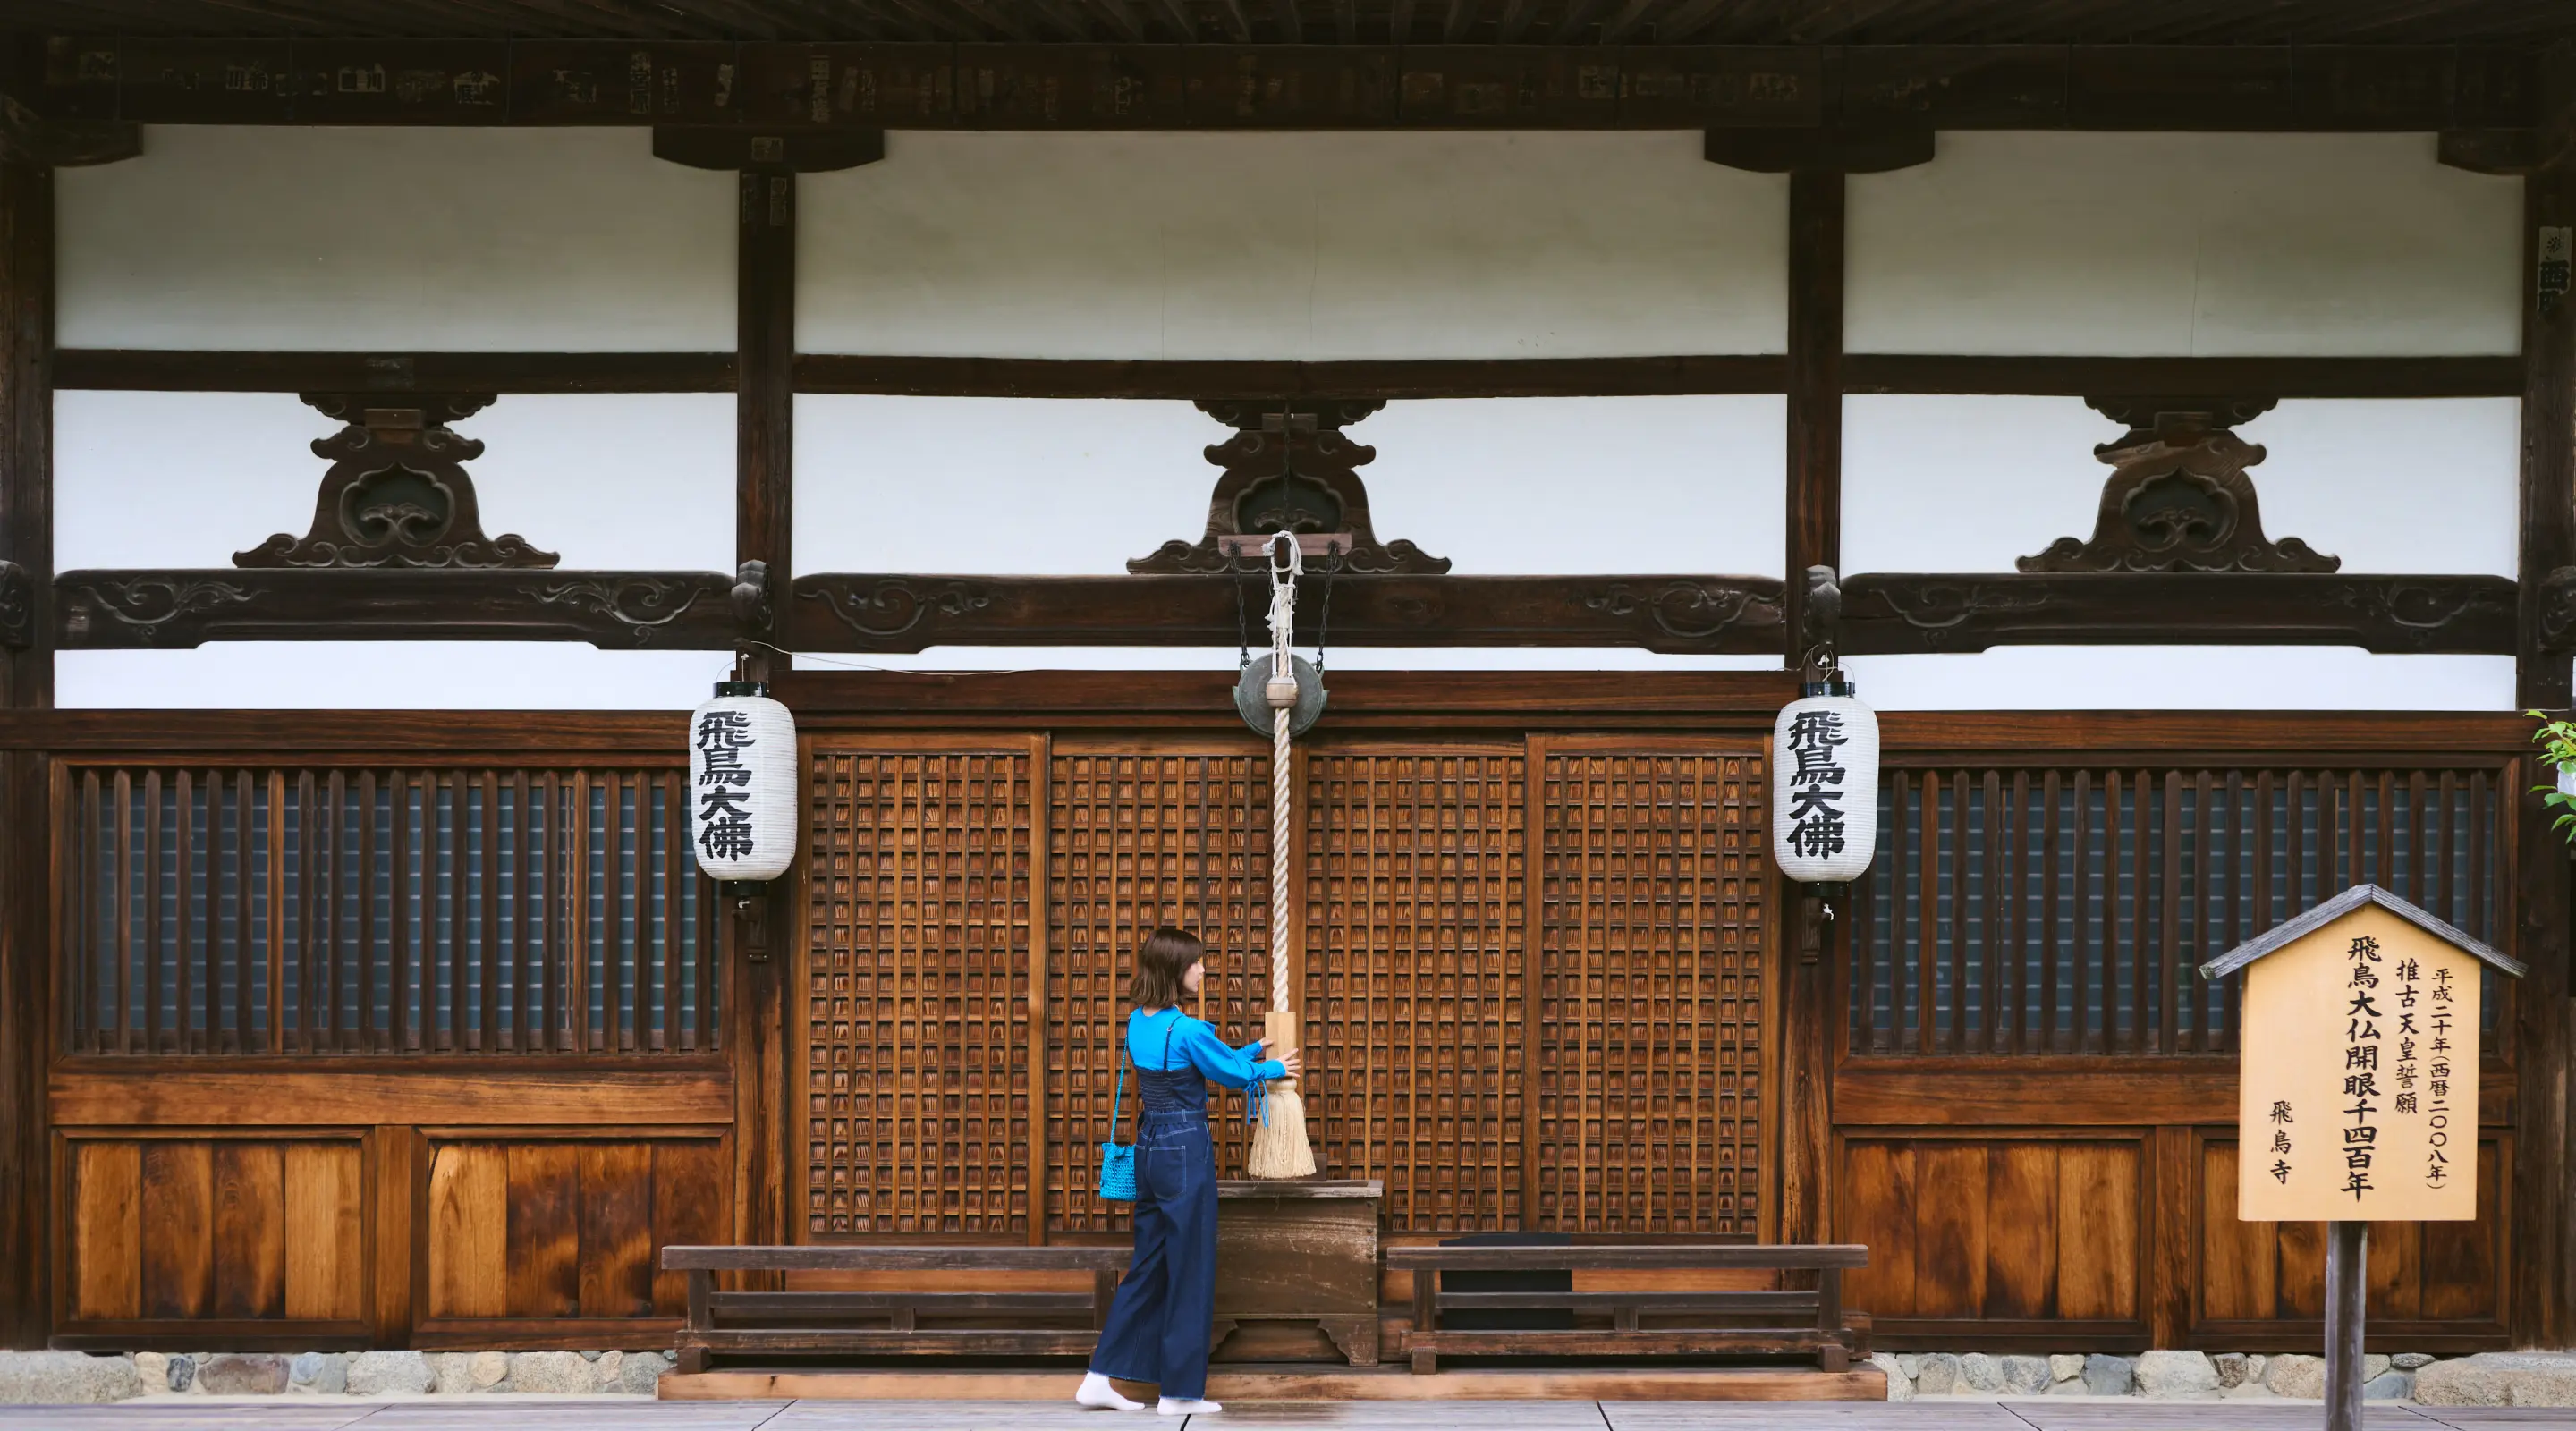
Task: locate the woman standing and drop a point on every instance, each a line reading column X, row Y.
column 1166, row 1305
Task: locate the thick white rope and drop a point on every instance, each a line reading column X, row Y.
column 1283, row 620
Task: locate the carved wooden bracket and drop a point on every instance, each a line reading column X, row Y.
column 1848, row 151
column 1288, row 468
column 706, row 146
column 2555, row 610
column 2178, row 498
column 1822, row 615
column 17, row 607
column 397, row 494
column 63, row 143
column 752, row 607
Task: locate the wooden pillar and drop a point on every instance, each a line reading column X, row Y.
column 1815, row 942
column 1815, row 537
column 26, row 683
column 2543, row 1309
column 764, row 516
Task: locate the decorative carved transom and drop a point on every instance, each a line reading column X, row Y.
column 2178, row 498
column 1288, row 468
column 397, row 494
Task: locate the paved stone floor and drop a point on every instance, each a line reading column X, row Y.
column 562, row 1414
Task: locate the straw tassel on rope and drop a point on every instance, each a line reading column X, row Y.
column 1279, row 1147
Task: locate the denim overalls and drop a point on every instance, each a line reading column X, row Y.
column 1166, row 1306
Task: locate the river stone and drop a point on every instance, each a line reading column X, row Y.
column 1938, row 1375
column 2231, row 1368
column 237, row 1374
column 2106, row 1375
column 603, row 1369
column 2065, row 1366
column 1981, row 1372
column 555, row 1372
column 2388, row 1386
column 641, row 1375
column 2301, row 1377
column 391, row 1373
column 1899, row 1386
column 321, row 1373
column 2069, row 1388
column 2176, row 1375
column 2500, row 1379
column 183, row 1372
column 2026, row 1375
column 2373, row 1366
column 488, row 1370
column 2411, row 1361
column 1911, row 1363
column 2254, row 1366
column 62, row 1378
column 152, row 1371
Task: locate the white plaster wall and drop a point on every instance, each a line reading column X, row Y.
column 469, row 239
column 1969, row 484
column 2184, row 244
column 187, row 479
column 1519, row 485
column 1305, row 246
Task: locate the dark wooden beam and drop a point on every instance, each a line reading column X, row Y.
column 183, row 370
column 32, row 138
column 26, row 684
column 764, row 546
column 174, row 370
column 1185, row 381
column 900, row 613
column 2499, row 376
column 1817, row 209
column 1892, row 613
column 2542, row 1310
column 1847, row 151
column 786, row 151
column 101, row 610
column 1293, row 86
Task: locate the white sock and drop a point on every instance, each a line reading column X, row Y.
column 1096, row 1391
column 1184, row 1406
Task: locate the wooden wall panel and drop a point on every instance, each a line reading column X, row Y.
column 2014, row 1231
column 917, row 1103
column 180, row 1229
column 1416, row 952
column 1179, row 834
column 2422, row 1275
column 1650, row 915
column 524, row 1230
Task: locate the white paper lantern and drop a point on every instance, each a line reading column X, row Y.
column 742, row 784
column 1824, row 785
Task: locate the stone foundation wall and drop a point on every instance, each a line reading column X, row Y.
column 67, row 1378
column 2486, row 1379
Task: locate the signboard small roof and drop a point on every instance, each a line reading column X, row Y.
column 2345, row 903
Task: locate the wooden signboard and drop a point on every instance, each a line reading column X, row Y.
column 2358, row 1093
column 2358, row 1089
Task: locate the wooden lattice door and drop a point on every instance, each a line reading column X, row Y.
column 1531, row 969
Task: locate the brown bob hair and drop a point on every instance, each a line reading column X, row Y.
column 1166, row 955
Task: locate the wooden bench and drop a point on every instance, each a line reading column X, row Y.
column 1644, row 1323
column 736, row 1325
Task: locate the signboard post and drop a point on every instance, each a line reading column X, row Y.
column 2357, row 1089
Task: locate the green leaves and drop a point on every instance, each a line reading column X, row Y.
column 2557, row 742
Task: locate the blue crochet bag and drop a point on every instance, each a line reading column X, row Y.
column 1118, row 1160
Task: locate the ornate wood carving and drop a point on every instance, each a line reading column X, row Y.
column 2557, row 610
column 2178, row 498
column 895, row 613
column 105, row 610
column 1901, row 612
column 17, row 607
column 1288, row 468
column 397, row 494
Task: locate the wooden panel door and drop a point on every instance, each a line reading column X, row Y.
column 1530, row 970
column 922, row 957
column 1650, row 915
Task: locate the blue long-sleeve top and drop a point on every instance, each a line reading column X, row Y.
column 1194, row 1044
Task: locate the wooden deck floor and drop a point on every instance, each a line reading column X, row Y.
column 484, row 1414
